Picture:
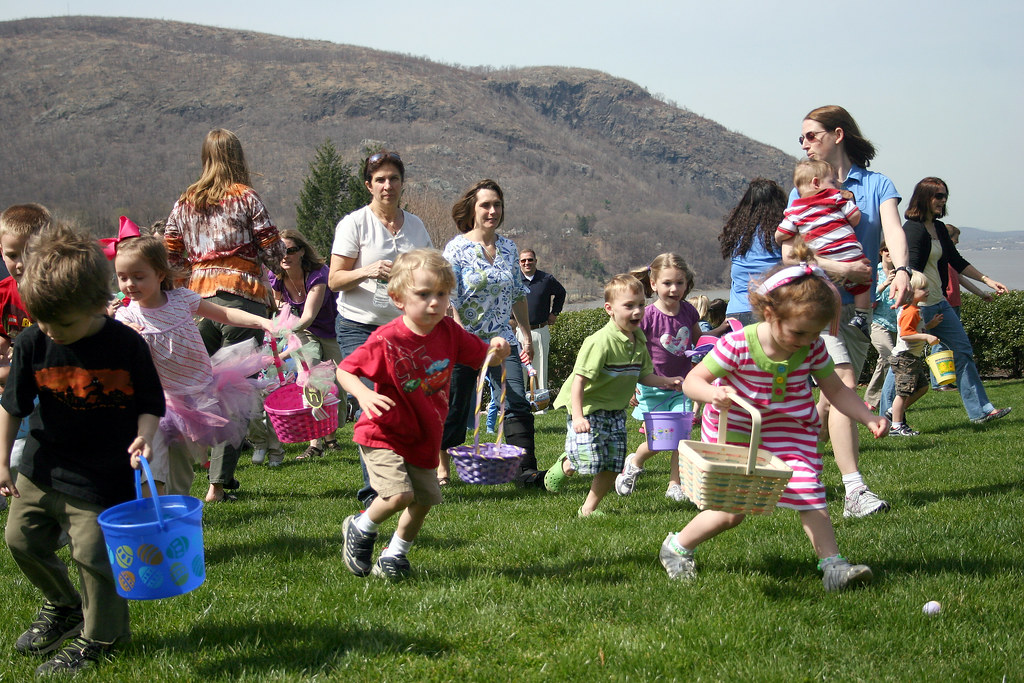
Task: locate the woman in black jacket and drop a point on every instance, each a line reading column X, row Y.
column 931, row 252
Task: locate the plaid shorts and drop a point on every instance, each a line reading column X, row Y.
column 911, row 373
column 603, row 448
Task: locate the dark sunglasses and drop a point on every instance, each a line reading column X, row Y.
column 940, row 195
column 292, row 250
column 527, row 260
column 381, row 156
column 811, row 136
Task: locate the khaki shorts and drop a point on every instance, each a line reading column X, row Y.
column 850, row 346
column 391, row 475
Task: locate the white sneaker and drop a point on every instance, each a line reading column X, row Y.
column 838, row 574
column 275, row 459
column 677, row 565
column 863, row 502
column 625, row 482
column 259, row 455
column 675, row 492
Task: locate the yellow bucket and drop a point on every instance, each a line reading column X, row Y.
column 942, row 367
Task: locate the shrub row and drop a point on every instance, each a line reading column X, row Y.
column 995, row 328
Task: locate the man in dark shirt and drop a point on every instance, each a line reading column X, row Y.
column 545, row 300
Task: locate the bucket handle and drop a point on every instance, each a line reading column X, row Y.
column 152, row 490
column 755, row 430
column 479, row 398
column 670, row 397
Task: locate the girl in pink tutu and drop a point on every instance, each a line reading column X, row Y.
column 209, row 400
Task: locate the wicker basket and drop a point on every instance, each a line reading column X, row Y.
column 487, row 463
column 292, row 419
column 736, row 479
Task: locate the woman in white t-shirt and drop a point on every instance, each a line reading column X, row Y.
column 366, row 243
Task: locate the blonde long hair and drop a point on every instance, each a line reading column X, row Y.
column 223, row 166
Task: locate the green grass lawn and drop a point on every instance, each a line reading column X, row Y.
column 508, row 585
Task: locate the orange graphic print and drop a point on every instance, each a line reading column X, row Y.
column 82, row 389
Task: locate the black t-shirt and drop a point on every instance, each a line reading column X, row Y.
column 91, row 394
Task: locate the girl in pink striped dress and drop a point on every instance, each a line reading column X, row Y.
column 209, row 401
column 770, row 364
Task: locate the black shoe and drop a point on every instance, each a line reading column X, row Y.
column 233, row 485
column 392, row 568
column 357, row 547
column 78, row 654
column 861, row 323
column 52, row 626
column 530, row 479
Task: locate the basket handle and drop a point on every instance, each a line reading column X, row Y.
column 277, row 359
column 755, row 429
column 152, row 490
column 479, row 397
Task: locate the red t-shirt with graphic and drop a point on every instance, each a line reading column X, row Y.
column 15, row 317
column 415, row 372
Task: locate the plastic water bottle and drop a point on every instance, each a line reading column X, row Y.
column 380, row 295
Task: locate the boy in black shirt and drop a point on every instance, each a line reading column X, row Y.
column 100, row 403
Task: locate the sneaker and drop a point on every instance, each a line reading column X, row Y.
column 393, row 568
column 903, row 430
column 625, row 482
column 555, row 477
column 275, row 459
column 78, row 654
column 678, row 565
column 357, row 547
column 839, row 574
column 888, row 416
column 994, row 415
column 259, row 455
column 861, row 323
column 675, row 492
column 863, row 502
column 52, row 626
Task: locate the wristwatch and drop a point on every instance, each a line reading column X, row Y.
column 905, row 269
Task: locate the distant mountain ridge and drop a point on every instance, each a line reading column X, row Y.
column 105, row 116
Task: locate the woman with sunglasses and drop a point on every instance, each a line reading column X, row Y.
column 219, row 232
column 932, row 252
column 302, row 286
column 488, row 291
column 366, row 243
column 829, row 133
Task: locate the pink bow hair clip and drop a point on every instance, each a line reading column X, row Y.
column 127, row 230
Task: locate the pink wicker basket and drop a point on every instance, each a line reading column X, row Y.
column 292, row 419
column 487, row 463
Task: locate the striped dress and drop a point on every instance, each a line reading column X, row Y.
column 782, row 391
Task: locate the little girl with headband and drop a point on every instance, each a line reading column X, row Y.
column 209, row 401
column 770, row 364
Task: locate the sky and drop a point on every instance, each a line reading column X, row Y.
column 936, row 86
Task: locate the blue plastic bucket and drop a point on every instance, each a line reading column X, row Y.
column 665, row 429
column 155, row 545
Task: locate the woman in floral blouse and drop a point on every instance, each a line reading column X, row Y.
column 488, row 291
column 220, row 234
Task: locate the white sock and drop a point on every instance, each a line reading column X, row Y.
column 863, row 311
column 397, row 547
column 365, row 524
column 853, row 481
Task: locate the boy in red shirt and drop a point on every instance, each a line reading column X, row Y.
column 410, row 361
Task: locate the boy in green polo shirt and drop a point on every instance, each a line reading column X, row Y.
column 608, row 367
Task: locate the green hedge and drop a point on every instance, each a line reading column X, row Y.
column 995, row 328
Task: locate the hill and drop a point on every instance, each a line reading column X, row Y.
column 105, row 116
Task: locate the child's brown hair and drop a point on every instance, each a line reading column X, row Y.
column 24, row 220
column 808, row 296
column 154, row 251
column 626, row 282
column 65, row 271
column 649, row 274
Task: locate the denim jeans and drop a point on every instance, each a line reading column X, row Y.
column 351, row 335
column 951, row 333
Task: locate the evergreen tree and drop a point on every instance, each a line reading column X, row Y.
column 329, row 192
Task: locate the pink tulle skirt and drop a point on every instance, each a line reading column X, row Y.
column 220, row 411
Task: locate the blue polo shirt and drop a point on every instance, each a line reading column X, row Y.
column 870, row 190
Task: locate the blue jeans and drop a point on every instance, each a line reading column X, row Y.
column 968, row 382
column 351, row 335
